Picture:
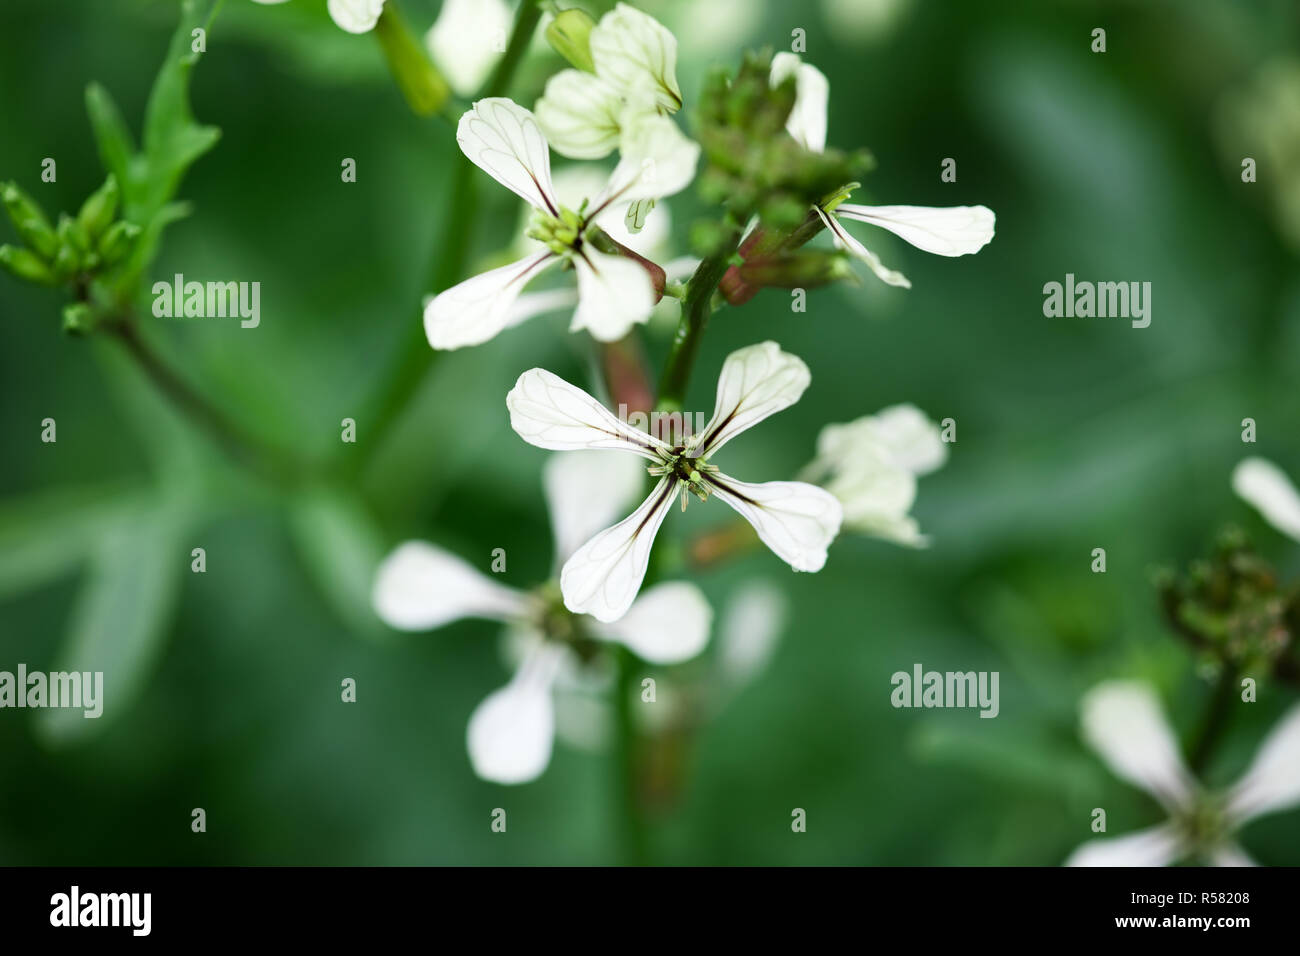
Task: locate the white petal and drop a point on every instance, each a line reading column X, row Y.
column 532, row 304
column 1231, row 854
column 656, row 160
column 751, row 623
column 877, row 495
column 614, row 294
column 1155, row 846
column 478, row 308
column 604, row 575
column 1124, row 723
column 356, row 16
column 667, row 624
column 844, row 241
column 807, row 120
column 1272, row 781
column 512, row 731
column 585, row 491
column 632, row 50
column 945, row 231
column 1266, row 487
column 548, row 412
column 580, row 114
column 912, row 438
column 419, row 587
column 755, row 382
column 798, row 521
column 467, row 40
column 503, row 139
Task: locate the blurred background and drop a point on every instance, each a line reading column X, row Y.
column 1072, row 434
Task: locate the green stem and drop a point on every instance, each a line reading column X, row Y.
column 696, row 309
column 631, row 819
column 426, row 92
column 1215, row 721
column 414, row 357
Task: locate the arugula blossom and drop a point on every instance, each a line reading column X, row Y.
column 796, row 520
column 943, row 231
column 355, row 16
column 510, row 735
column 634, row 64
column 871, row 465
column 615, row 292
column 1124, row 724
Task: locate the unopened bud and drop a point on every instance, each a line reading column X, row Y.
column 99, row 208
column 569, row 34
column 33, row 228
column 117, row 241
column 26, row 264
column 78, row 318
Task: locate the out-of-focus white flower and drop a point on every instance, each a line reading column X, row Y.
column 510, row 736
column 355, row 16
column 796, row 520
column 1266, row 487
column 871, row 465
column 467, row 40
column 614, row 292
column 943, row 231
column 751, row 625
column 635, row 59
column 1124, row 723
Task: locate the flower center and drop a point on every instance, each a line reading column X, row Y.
column 561, row 234
column 1204, row 825
column 689, row 470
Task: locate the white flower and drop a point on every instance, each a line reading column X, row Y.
column 635, row 59
column 796, row 520
column 1123, row 722
column 944, row 231
column 355, row 16
column 467, row 40
column 614, row 292
column 1265, row 486
column 510, row 735
column 871, row 466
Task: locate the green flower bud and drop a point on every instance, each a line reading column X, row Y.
column 71, row 233
column 78, row 318
column 66, row 263
column 99, row 208
column 569, row 34
column 30, row 221
column 117, row 241
column 26, row 264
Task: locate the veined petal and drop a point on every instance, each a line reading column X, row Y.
column 579, row 113
column 756, row 382
column 656, row 160
column 585, row 491
column 419, row 587
column 467, row 40
column 631, row 49
column 1266, row 487
column 548, row 412
column 667, row 624
column 1155, row 846
column 614, row 294
column 512, row 731
column 798, row 521
column 1272, row 781
column 1124, row 723
column 807, row 120
column 478, row 308
column 604, row 575
column 356, row 16
column 846, row 242
column 945, row 231
column 503, row 139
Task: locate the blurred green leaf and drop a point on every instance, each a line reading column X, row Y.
column 121, row 615
column 116, row 147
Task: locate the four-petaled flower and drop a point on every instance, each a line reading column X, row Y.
column 1123, row 722
column 420, row 587
column 614, row 292
column 635, row 62
column 944, row 231
column 796, row 520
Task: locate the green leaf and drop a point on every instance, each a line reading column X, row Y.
column 116, row 148
column 121, row 615
column 48, row 534
column 341, row 547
